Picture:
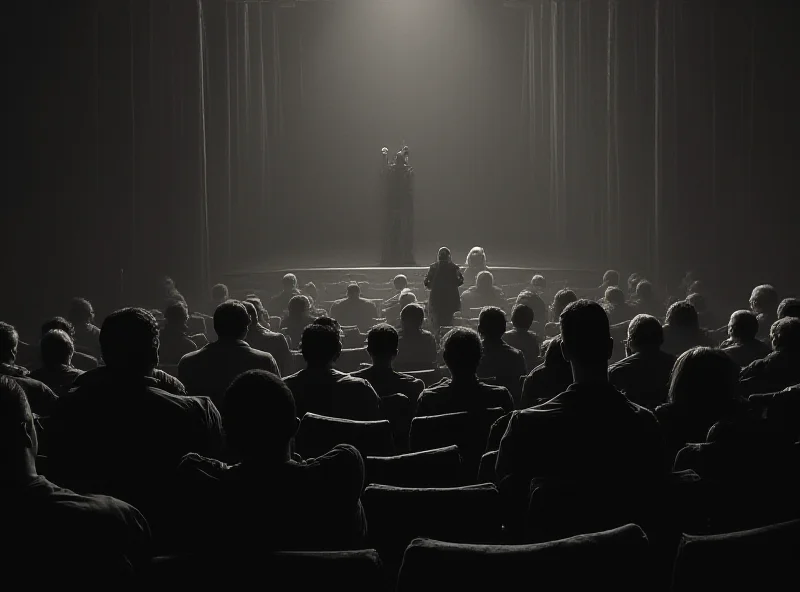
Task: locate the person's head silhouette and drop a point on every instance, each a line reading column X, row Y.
column 219, row 293
column 129, row 341
column 645, row 335
column 321, row 345
column 59, row 323
column 560, row 302
column 411, row 317
column 785, row 335
column 231, row 320
column 80, row 312
column 522, row 317
column 289, row 282
column 400, row 282
column 9, row 342
column 682, row 315
column 261, row 312
column 299, row 307
column 444, row 254
column 492, row 324
column 462, row 351
column 382, row 341
column 177, row 315
column 586, row 341
column 354, row 291
column 56, row 349
column 789, row 307
column 764, row 300
column 260, row 417
column 484, row 281
column 611, row 278
column 743, row 326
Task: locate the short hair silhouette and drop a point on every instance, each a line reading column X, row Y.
column 9, row 340
column 353, row 290
column 56, row 348
column 683, row 315
column 320, row 344
column 219, row 293
column 645, row 333
column 260, row 416
column 476, row 255
column 298, row 305
column 743, row 325
column 412, row 316
column 538, row 281
column 633, row 281
column 785, row 334
column 705, row 380
column 129, row 340
column 462, row 350
column 611, row 277
column 59, row 323
column 80, row 311
column 561, row 300
column 231, row 320
column 444, row 254
column 406, row 297
column 764, row 298
column 382, row 341
column 698, row 301
column 492, row 323
column 176, row 313
column 260, row 310
column 400, row 282
column 615, row 296
column 484, row 279
column 522, row 317
column 251, row 311
column 289, row 281
column 585, row 333
column 789, row 307
column 328, row 322
column 644, row 291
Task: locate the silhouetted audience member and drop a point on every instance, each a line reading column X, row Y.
column 702, row 391
column 219, row 294
column 87, row 335
column 707, row 318
column 80, row 360
column 646, row 301
column 53, row 535
column 209, row 371
column 354, row 311
column 538, row 285
column 550, row 378
column 682, row 329
column 474, row 265
column 117, row 433
column 633, row 282
column 483, row 293
column 610, row 280
column 279, row 304
column 764, row 303
column 382, row 342
column 643, row 376
column 57, row 371
column 463, row 391
column 416, row 348
column 443, row 280
column 781, row 368
column 400, row 283
column 591, row 433
column 615, row 306
column 261, row 338
column 521, row 337
column 499, row 360
column 789, row 307
column 322, row 389
column 561, row 300
column 174, row 337
column 309, row 290
column 41, row 398
column 272, row 496
column 743, row 345
column 393, row 313
column 297, row 318
column 534, row 301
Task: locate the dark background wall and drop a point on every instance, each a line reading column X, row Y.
column 105, row 187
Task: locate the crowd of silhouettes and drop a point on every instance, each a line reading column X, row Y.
column 182, row 431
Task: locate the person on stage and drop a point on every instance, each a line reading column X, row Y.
column 398, row 188
column 443, row 280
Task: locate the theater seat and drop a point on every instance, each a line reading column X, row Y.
column 486, row 468
column 763, row 559
column 610, row 560
column 431, row 468
column 355, row 571
column 396, row 409
column 317, row 434
column 397, row 515
column 469, row 430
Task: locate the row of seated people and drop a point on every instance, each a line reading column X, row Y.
column 96, row 444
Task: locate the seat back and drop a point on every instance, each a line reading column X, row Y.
column 317, row 434
column 397, row 515
column 610, row 560
column 759, row 559
column 469, row 430
column 430, row 468
column 397, row 410
column 486, row 468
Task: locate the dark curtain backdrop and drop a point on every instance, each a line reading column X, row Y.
column 151, row 137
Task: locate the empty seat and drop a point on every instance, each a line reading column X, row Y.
column 610, row 560
column 397, row 515
column 763, row 559
column 356, row 571
column 430, row 468
column 317, row 434
column 469, row 430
